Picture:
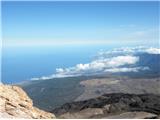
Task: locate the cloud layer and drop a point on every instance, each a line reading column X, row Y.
column 153, row 51
column 129, row 50
column 98, row 65
column 124, row 69
column 117, row 60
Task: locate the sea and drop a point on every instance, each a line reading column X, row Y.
column 24, row 63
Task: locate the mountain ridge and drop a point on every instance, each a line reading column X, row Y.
column 109, row 105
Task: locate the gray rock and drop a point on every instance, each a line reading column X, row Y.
column 86, row 113
column 133, row 115
column 115, row 103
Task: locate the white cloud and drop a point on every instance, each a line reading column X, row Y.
column 116, row 60
column 129, row 51
column 97, row 66
column 133, row 69
column 122, row 60
column 54, row 76
column 153, row 50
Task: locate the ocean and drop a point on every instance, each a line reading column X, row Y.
column 21, row 64
column 24, row 63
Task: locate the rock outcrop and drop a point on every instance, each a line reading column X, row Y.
column 14, row 103
column 116, row 105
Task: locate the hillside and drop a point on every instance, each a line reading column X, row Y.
column 52, row 93
column 116, row 105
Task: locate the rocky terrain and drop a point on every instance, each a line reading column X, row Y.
column 52, row 93
column 14, row 103
column 115, row 105
column 97, row 87
column 92, row 103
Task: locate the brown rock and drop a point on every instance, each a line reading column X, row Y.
column 14, row 103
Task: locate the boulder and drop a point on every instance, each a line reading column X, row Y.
column 14, row 103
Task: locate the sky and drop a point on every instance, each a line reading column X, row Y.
column 79, row 23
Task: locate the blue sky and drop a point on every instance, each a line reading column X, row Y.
column 79, row 23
